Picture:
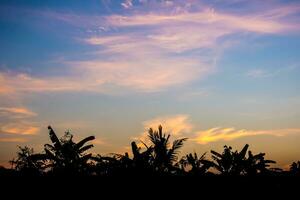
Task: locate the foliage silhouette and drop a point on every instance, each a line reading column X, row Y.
column 198, row 166
column 26, row 164
column 295, row 168
column 65, row 156
column 158, row 158
column 236, row 163
column 164, row 155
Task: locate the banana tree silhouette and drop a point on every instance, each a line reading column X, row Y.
column 199, row 166
column 256, row 164
column 142, row 160
column 119, row 165
column 66, row 156
column 164, row 155
column 236, row 163
column 107, row 165
column 229, row 162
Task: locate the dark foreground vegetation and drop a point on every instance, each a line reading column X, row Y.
column 157, row 161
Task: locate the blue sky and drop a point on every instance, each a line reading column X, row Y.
column 218, row 72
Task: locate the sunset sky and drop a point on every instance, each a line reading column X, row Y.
column 217, row 72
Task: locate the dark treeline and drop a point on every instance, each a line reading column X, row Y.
column 64, row 157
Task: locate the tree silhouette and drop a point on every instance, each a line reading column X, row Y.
column 26, row 164
column 229, row 162
column 295, row 168
column 65, row 156
column 158, row 158
column 164, row 155
column 256, row 164
column 141, row 162
column 199, row 166
column 235, row 163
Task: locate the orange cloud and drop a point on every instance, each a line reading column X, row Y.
column 179, row 126
column 19, row 129
column 176, row 125
column 16, row 112
column 227, row 134
column 99, row 141
column 17, row 140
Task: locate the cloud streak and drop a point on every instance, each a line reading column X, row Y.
column 13, row 140
column 95, row 76
column 146, row 51
column 204, row 18
column 228, row 134
column 16, row 112
column 180, row 126
column 19, row 129
column 176, row 125
column 13, row 121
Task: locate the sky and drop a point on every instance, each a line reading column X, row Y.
column 217, row 72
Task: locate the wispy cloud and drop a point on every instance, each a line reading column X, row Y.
column 176, row 125
column 147, row 50
column 227, row 134
column 143, row 75
column 13, row 140
column 127, row 4
column 19, row 129
column 265, row 73
column 203, row 18
column 99, row 141
column 180, row 126
column 258, row 73
column 15, row 121
column 16, row 112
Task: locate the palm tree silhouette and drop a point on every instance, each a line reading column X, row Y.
column 164, row 156
column 158, row 158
